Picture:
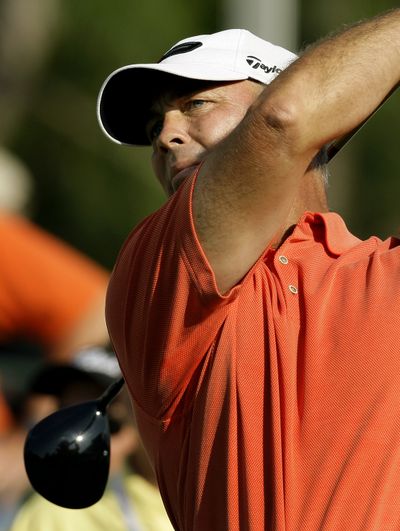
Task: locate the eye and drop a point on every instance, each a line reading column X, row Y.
column 194, row 104
column 153, row 129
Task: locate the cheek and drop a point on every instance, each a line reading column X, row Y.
column 219, row 125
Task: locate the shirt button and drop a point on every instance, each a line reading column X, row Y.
column 293, row 289
column 283, row 259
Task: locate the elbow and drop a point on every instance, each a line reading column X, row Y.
column 284, row 122
column 282, row 117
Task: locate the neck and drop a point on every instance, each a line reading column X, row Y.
column 311, row 197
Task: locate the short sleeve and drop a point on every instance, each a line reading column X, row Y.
column 163, row 309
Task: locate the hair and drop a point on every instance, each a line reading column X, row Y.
column 320, row 163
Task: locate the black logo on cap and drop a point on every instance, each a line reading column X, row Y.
column 185, row 47
column 256, row 63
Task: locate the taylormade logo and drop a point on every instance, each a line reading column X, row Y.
column 255, row 63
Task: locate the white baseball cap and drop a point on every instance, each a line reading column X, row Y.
column 231, row 55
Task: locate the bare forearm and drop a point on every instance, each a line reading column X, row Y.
column 258, row 181
column 339, row 81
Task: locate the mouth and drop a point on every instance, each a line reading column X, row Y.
column 181, row 175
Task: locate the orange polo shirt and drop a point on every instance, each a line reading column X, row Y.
column 276, row 406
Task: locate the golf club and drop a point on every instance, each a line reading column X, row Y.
column 67, row 454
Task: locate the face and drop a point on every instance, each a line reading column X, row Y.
column 186, row 123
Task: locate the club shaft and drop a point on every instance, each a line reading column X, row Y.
column 110, row 393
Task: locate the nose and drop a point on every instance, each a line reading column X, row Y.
column 174, row 131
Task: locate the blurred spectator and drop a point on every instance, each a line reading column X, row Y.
column 15, row 184
column 51, row 296
column 130, row 502
column 51, row 304
column 49, row 293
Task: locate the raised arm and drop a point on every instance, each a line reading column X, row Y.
column 252, row 183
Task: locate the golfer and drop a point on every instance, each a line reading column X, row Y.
column 259, row 338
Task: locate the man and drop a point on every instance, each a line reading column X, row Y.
column 246, row 318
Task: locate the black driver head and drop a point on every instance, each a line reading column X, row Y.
column 67, row 455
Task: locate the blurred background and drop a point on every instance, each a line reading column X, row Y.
column 59, row 171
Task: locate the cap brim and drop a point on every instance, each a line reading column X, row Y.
column 126, row 96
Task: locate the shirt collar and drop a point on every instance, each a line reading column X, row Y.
column 337, row 237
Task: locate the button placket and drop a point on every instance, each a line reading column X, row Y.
column 285, row 261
